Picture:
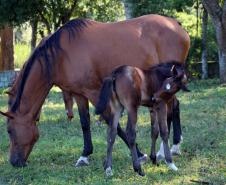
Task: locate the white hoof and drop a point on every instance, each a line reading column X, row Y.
column 82, row 161
column 172, row 166
column 175, row 150
column 143, row 159
column 108, row 172
column 160, row 154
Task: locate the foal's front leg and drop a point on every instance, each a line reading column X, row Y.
column 162, row 119
column 131, row 135
column 154, row 135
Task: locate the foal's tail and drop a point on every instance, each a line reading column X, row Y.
column 105, row 95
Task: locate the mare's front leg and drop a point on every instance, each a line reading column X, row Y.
column 177, row 132
column 83, row 109
column 111, row 135
column 154, row 135
column 161, row 110
column 131, row 135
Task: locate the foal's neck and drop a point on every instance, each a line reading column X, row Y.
column 153, row 81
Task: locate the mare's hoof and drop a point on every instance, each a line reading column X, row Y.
column 175, row 150
column 140, row 172
column 172, row 166
column 154, row 160
column 108, row 172
column 143, row 159
column 82, row 161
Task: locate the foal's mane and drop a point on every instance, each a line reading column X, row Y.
column 48, row 52
column 163, row 70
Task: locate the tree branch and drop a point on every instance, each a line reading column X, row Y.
column 224, row 15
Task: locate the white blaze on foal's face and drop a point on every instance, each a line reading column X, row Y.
column 168, row 86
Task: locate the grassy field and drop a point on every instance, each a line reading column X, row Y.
column 203, row 160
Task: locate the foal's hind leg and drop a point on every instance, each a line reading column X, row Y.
column 111, row 135
column 83, row 109
column 131, row 135
column 121, row 133
column 162, row 119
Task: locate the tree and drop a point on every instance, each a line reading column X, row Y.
column 204, row 43
column 217, row 12
column 6, row 47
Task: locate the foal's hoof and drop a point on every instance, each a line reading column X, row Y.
column 108, row 172
column 82, row 161
column 160, row 157
column 172, row 166
column 175, row 150
column 143, row 159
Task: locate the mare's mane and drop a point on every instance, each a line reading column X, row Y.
column 48, row 52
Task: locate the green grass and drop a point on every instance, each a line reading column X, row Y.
column 21, row 54
column 203, row 114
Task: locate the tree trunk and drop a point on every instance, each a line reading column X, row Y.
column 222, row 65
column 7, row 49
column 204, row 44
column 218, row 16
column 34, row 26
column 128, row 9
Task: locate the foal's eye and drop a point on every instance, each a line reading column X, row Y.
column 168, row 86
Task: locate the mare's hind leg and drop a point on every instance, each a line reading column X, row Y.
column 131, row 135
column 83, row 109
column 111, row 135
column 177, row 132
column 68, row 103
column 121, row 133
column 154, row 135
column 162, row 119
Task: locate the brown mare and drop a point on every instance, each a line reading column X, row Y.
column 83, row 52
column 129, row 87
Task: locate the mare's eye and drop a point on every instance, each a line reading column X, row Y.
column 9, row 131
column 168, row 86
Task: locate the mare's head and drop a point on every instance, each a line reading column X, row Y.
column 176, row 81
column 22, row 130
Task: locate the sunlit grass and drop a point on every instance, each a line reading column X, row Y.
column 203, row 115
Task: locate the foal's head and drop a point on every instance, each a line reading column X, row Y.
column 171, row 85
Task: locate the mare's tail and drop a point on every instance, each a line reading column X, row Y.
column 105, row 95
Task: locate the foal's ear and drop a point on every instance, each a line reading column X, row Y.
column 7, row 114
column 174, row 71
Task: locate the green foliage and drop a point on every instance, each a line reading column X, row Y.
column 203, row 115
column 162, row 7
column 16, row 12
column 21, row 54
column 103, row 10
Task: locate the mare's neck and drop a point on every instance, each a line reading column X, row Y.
column 34, row 93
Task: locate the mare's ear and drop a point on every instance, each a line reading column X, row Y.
column 9, row 93
column 174, row 71
column 7, row 114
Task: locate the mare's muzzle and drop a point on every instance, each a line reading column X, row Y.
column 17, row 160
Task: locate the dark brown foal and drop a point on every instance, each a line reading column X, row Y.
column 129, row 87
